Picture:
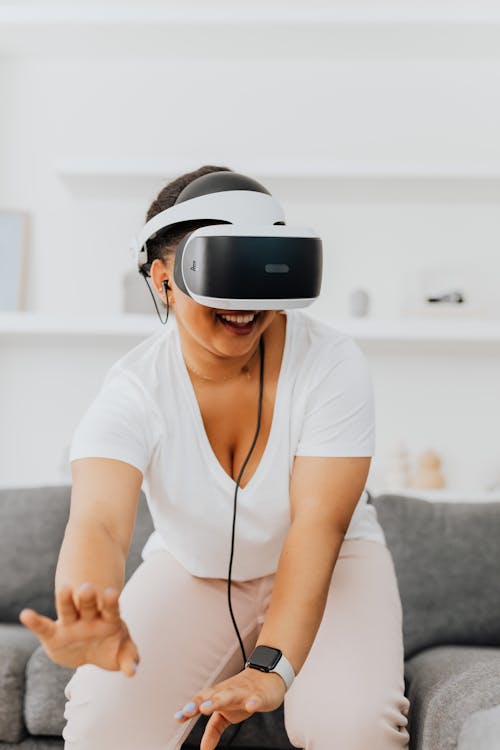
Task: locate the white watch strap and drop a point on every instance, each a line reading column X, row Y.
column 285, row 669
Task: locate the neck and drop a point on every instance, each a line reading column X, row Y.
column 207, row 366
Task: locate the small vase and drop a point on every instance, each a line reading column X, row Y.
column 359, row 303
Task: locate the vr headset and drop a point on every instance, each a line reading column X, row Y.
column 251, row 260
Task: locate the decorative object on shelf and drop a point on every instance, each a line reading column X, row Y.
column 450, row 290
column 428, row 474
column 135, row 296
column 397, row 473
column 13, row 249
column 454, row 296
column 359, row 303
column 495, row 485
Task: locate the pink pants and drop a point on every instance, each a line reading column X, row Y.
column 349, row 694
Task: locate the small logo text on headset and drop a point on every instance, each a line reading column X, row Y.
column 193, row 267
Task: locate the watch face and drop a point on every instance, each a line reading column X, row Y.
column 265, row 657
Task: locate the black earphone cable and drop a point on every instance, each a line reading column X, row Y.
column 262, row 351
column 165, row 286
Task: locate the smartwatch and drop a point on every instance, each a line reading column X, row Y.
column 269, row 659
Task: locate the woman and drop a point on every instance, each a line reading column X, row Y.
column 312, row 575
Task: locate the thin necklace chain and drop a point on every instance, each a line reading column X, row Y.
column 244, row 369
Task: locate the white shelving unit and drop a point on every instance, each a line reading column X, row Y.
column 464, row 331
column 447, row 495
column 375, row 33
column 53, row 324
column 324, row 169
column 317, row 14
column 395, row 29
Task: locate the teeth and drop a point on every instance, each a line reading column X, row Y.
column 239, row 318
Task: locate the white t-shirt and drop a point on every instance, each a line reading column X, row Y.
column 146, row 414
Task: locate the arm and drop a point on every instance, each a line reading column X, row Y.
column 323, row 495
column 97, row 537
column 89, row 628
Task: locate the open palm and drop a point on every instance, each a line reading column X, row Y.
column 85, row 631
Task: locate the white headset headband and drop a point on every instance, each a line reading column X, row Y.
column 235, row 206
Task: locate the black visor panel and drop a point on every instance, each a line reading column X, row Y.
column 254, row 267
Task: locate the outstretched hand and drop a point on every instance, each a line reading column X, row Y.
column 86, row 631
column 234, row 700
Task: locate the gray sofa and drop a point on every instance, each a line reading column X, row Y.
column 447, row 559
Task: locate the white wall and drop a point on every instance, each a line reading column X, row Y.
column 294, row 112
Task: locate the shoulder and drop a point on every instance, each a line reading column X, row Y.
column 141, row 369
column 322, row 347
column 142, row 360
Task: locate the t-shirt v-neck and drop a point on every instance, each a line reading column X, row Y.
column 146, row 414
column 216, row 467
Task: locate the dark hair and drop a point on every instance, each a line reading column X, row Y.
column 164, row 244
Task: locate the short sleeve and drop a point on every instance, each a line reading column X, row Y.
column 339, row 414
column 120, row 423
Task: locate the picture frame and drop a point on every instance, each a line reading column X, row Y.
column 13, row 256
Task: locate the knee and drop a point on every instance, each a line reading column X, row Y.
column 98, row 711
column 88, row 720
column 358, row 725
column 106, row 710
column 346, row 730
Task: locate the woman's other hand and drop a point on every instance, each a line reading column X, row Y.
column 233, row 701
column 85, row 631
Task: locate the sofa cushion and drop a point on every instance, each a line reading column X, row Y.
column 32, row 525
column 32, row 522
column 36, row 743
column 16, row 646
column 447, row 684
column 481, row 730
column 447, row 558
column 44, row 694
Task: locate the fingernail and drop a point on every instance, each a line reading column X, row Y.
column 109, row 590
column 189, row 707
column 85, row 585
column 206, row 704
column 135, row 664
column 179, row 715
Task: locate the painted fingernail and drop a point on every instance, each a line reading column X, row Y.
column 179, row 715
column 206, row 704
column 189, row 707
column 85, row 585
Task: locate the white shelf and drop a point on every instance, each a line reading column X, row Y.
column 445, row 495
column 464, row 330
column 410, row 330
column 274, row 30
column 217, row 13
column 286, row 169
column 54, row 324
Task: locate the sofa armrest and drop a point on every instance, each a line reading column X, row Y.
column 446, row 685
column 16, row 646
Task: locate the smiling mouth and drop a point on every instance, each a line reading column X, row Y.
column 239, row 326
